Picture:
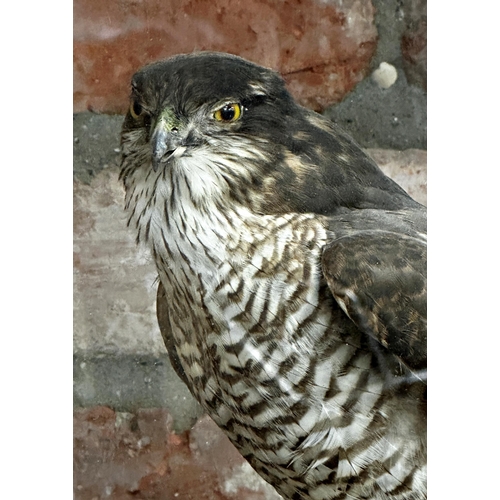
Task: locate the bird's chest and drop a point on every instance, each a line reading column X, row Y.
column 264, row 347
column 247, row 306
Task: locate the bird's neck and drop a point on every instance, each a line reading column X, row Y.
column 206, row 236
column 183, row 220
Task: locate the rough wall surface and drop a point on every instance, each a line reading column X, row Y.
column 328, row 53
column 121, row 455
column 322, row 48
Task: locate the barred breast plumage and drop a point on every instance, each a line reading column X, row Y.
column 264, row 319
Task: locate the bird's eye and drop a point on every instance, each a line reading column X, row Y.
column 135, row 109
column 228, row 113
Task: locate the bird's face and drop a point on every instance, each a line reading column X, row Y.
column 215, row 122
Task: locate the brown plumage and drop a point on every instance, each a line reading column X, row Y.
column 292, row 295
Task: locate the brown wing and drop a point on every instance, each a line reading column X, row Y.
column 166, row 332
column 379, row 280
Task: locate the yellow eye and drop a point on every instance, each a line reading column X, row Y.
column 135, row 109
column 228, row 113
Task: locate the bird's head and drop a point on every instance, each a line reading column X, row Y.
column 215, row 120
column 215, row 128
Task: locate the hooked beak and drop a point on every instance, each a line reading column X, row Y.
column 167, row 142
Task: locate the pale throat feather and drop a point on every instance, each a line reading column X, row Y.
column 183, row 212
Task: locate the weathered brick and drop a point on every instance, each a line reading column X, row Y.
column 322, row 48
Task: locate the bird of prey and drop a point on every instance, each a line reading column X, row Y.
column 292, row 296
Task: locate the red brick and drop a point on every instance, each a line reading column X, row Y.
column 322, row 48
column 123, row 455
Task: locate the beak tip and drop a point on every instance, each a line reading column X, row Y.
column 164, row 157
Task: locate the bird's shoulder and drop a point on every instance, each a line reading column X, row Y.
column 321, row 169
column 375, row 264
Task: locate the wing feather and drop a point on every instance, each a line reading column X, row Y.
column 162, row 315
column 378, row 277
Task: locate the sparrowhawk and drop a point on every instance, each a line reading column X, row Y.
column 292, row 296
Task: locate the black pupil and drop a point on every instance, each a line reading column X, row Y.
column 227, row 112
column 137, row 108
